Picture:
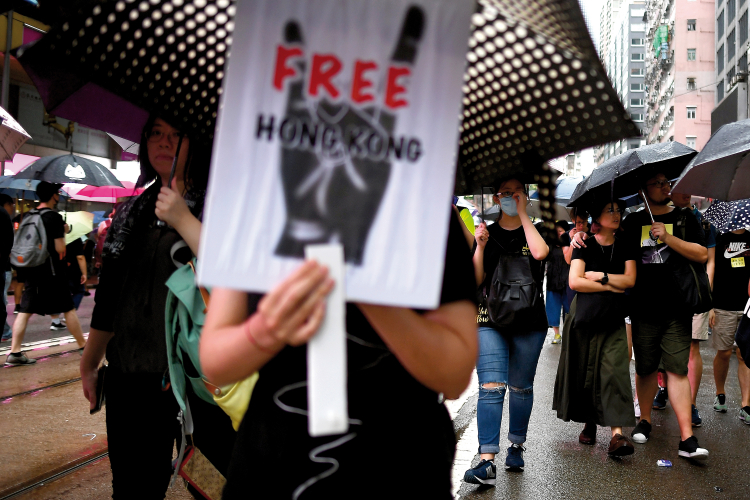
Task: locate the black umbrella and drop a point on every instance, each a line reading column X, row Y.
column 623, row 175
column 535, row 88
column 69, row 168
column 729, row 215
column 722, row 168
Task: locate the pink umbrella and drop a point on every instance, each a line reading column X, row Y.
column 112, row 192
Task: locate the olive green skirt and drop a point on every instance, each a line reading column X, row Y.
column 593, row 376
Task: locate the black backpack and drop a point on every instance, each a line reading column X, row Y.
column 690, row 277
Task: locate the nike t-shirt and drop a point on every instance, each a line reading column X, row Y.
column 732, row 271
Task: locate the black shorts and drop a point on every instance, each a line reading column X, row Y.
column 20, row 274
column 45, row 293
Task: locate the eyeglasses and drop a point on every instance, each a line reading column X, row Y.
column 660, row 184
column 157, row 135
column 508, row 194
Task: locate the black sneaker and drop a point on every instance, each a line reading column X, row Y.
column 57, row 325
column 484, row 473
column 17, row 309
column 18, row 359
column 641, row 432
column 690, row 449
column 660, row 400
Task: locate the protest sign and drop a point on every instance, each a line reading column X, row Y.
column 339, row 124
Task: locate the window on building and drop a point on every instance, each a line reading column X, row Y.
column 691, row 24
column 691, row 55
column 636, row 72
column 730, row 46
column 730, row 74
column 637, row 13
column 731, row 10
column 690, row 141
column 638, row 27
column 637, row 117
column 720, row 25
column 634, row 145
column 636, row 57
column 742, row 63
column 720, row 59
column 743, row 28
column 720, row 91
column 636, row 103
column 742, row 2
column 691, row 112
column 636, row 87
column 691, row 84
column 636, row 42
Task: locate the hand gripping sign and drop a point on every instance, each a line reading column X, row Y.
column 338, row 126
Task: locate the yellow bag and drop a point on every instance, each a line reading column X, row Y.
column 235, row 398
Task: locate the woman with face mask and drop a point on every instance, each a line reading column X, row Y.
column 508, row 269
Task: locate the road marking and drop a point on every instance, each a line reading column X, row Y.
column 38, row 345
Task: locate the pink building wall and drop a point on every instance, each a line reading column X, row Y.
column 702, row 69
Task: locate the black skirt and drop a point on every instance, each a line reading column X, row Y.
column 593, row 376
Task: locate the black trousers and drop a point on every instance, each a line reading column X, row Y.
column 142, row 429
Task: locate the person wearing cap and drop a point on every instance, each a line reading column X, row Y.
column 46, row 290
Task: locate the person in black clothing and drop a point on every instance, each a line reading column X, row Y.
column 397, row 358
column 593, row 377
column 6, row 244
column 46, row 289
column 75, row 273
column 128, row 321
column 557, row 281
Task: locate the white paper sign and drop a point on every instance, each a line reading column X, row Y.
column 339, row 124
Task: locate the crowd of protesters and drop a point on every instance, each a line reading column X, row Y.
column 608, row 282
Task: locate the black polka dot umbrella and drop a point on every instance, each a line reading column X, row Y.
column 729, row 215
column 534, row 86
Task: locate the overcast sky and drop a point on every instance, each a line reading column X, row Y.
column 591, row 9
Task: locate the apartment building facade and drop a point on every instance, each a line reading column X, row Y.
column 626, row 68
column 680, row 76
column 731, row 62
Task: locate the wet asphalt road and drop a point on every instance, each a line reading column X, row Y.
column 559, row 467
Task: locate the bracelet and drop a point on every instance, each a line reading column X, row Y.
column 253, row 341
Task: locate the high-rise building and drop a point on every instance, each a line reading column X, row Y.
column 625, row 56
column 731, row 63
column 607, row 17
column 679, row 80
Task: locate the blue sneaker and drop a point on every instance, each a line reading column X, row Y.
column 697, row 420
column 484, row 473
column 514, row 460
column 660, row 401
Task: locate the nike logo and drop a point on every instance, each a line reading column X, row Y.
column 735, row 248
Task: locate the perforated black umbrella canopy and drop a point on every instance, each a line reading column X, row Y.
column 629, row 169
column 722, row 168
column 729, row 215
column 534, row 86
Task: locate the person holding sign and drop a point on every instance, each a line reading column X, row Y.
column 399, row 361
column 508, row 265
column 593, row 377
column 128, row 321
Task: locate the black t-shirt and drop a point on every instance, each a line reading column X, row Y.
column 54, row 226
column 513, row 241
column 603, row 306
column 72, row 251
column 377, row 384
column 656, row 290
column 732, row 271
column 6, row 240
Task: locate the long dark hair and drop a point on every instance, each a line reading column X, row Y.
column 196, row 165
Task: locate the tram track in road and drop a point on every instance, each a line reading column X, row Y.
column 62, row 471
column 37, row 389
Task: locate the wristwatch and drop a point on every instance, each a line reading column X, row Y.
column 605, row 279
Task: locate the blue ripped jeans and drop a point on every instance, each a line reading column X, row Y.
column 508, row 357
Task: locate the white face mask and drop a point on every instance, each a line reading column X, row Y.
column 509, row 206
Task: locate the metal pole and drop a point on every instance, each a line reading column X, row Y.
column 6, row 71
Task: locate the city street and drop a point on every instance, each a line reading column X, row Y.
column 63, row 449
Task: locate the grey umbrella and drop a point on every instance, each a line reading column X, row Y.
column 628, row 171
column 722, row 168
column 69, row 169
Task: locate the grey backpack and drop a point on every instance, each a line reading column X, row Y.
column 30, row 243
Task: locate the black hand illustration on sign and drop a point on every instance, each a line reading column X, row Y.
column 336, row 158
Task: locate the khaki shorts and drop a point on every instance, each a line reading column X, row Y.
column 700, row 326
column 724, row 329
